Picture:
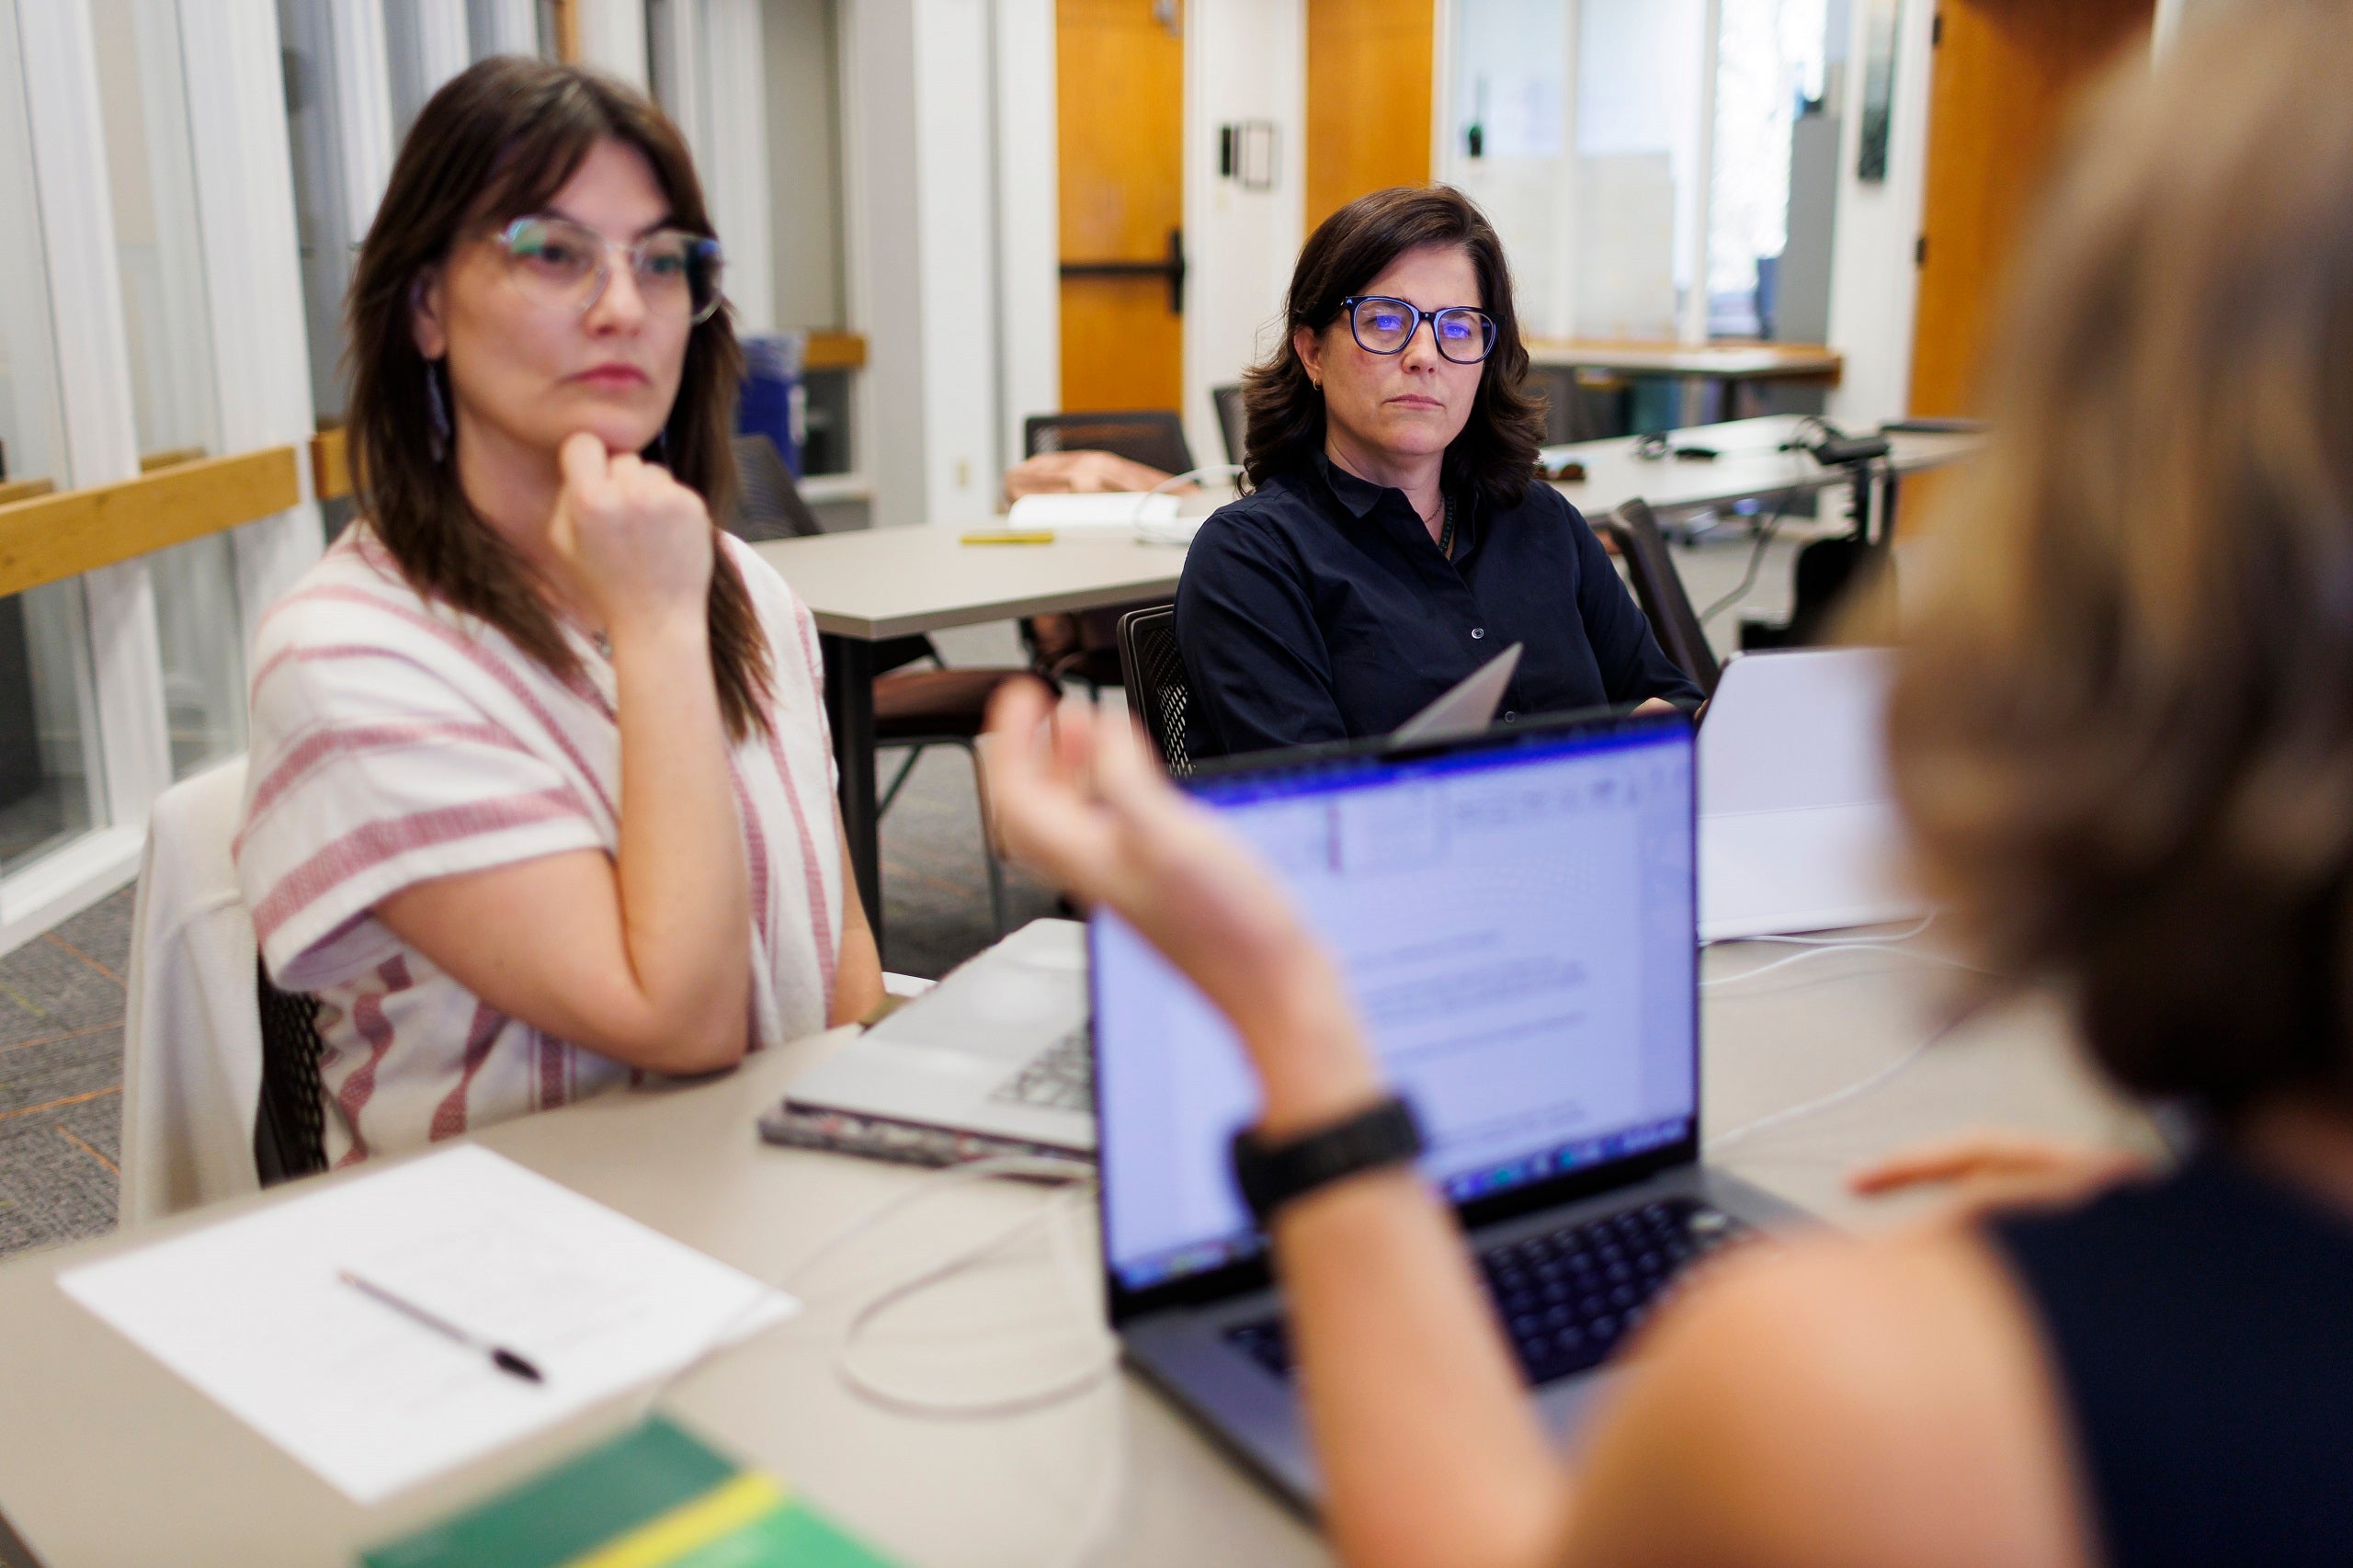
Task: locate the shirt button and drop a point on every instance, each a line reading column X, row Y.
column 1477, row 632
column 1510, row 718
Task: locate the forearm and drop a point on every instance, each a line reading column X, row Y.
column 683, row 887
column 1429, row 1447
column 858, row 976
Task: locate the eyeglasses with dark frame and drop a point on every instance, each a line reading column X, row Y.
column 1384, row 326
column 565, row 266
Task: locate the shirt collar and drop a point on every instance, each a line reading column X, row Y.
column 1358, row 496
column 1361, row 496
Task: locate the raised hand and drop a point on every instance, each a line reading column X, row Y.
column 1075, row 797
column 637, row 543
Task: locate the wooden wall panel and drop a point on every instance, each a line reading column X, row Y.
column 2006, row 78
column 1120, row 113
column 1370, row 66
column 59, row 536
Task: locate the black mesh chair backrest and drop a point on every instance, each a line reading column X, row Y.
column 1154, row 676
column 1153, row 436
column 768, row 503
column 291, row 1122
column 1658, row 586
column 1227, row 400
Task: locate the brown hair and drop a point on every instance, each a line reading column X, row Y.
column 2124, row 734
column 1282, row 410
column 496, row 142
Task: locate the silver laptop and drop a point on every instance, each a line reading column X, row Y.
column 1516, row 913
column 1798, row 824
column 999, row 1048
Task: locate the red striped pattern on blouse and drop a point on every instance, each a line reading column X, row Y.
column 367, row 847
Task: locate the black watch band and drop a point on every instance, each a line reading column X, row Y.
column 1272, row 1175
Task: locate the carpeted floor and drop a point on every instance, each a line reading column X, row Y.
column 60, row 1078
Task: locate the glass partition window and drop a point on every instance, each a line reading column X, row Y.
column 1769, row 68
column 164, row 312
column 49, row 774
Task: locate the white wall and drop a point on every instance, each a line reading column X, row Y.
column 918, row 194
column 1029, row 314
column 804, row 158
column 735, row 170
column 956, row 217
column 612, row 37
column 1875, row 278
column 1244, row 60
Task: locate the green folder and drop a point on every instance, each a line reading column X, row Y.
column 653, row 1497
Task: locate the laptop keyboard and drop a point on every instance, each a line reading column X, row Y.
column 1566, row 1297
column 1061, row 1077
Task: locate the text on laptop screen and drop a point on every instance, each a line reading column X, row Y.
column 1517, row 926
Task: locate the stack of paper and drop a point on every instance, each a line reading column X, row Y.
column 256, row 1312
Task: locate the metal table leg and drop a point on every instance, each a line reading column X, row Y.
column 849, row 708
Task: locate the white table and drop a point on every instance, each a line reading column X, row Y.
column 106, row 1458
column 883, row 583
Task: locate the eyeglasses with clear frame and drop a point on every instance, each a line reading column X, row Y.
column 1383, row 326
column 565, row 266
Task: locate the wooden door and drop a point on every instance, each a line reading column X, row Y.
column 1369, row 74
column 2005, row 76
column 1120, row 81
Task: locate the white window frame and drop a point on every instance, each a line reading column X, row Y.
column 94, row 397
column 243, row 177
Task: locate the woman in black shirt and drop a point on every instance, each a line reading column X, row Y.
column 1395, row 537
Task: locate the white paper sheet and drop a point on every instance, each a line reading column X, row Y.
column 253, row 1312
column 1112, row 510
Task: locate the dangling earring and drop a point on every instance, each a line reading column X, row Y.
column 437, row 407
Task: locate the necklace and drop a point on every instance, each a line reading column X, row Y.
column 1446, row 533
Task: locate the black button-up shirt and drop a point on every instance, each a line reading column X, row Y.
column 1319, row 608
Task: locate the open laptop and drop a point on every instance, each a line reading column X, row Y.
column 1516, row 914
column 998, row 1049
column 1798, row 824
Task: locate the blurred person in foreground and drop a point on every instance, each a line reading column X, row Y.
column 2123, row 739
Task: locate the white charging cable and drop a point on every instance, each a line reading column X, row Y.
column 1178, row 532
column 1094, row 1370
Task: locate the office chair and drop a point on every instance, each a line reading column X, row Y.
column 768, row 505
column 1155, row 676
column 1658, row 587
column 1153, row 437
column 1085, row 645
column 1227, row 401
column 221, row 1069
column 290, row 1123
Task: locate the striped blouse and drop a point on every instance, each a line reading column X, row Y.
column 395, row 740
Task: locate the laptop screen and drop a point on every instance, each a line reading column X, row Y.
column 1516, row 922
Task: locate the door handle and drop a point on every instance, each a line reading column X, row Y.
column 1172, row 268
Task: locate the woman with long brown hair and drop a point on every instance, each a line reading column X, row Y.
column 540, row 791
column 2123, row 739
column 1396, row 536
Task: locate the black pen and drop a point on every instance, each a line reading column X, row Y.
column 506, row 1360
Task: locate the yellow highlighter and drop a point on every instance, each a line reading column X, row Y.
column 1007, row 536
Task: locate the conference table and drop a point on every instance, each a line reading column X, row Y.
column 107, row 1458
column 869, row 586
